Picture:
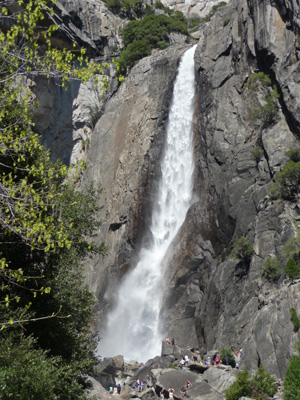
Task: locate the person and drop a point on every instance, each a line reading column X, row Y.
column 194, row 358
column 119, row 388
column 153, row 389
column 168, row 340
column 161, row 394
column 111, row 390
column 188, row 384
column 237, row 365
column 142, row 386
column 171, row 393
column 208, row 360
column 183, row 391
column 182, row 362
column 226, row 360
column 186, row 359
column 217, row 361
column 173, row 342
column 136, row 386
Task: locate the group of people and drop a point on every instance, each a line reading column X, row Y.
column 116, row 389
column 139, row 385
column 168, row 341
column 171, row 392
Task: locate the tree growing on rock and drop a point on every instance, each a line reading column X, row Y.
column 258, row 387
column 291, row 269
column 242, row 250
column 292, row 383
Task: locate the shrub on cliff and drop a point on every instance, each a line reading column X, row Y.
column 242, row 250
column 260, row 386
column 271, row 268
column 140, row 37
column 227, row 357
column 292, row 382
column 291, row 269
column 295, row 319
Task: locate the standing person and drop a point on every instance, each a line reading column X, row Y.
column 168, row 340
column 183, row 391
column 186, row 359
column 161, row 394
column 171, row 393
column 119, row 388
column 173, row 342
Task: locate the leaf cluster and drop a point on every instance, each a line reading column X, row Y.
column 230, row 357
column 257, row 387
column 140, row 37
column 295, row 319
column 242, row 250
column 291, row 382
column 271, row 268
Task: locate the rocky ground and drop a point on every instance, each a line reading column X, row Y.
column 209, row 382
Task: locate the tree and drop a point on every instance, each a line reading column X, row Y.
column 263, row 384
column 257, row 387
column 291, row 382
column 241, row 387
column 271, row 268
column 44, row 222
column 242, row 250
column 227, row 357
column 291, row 269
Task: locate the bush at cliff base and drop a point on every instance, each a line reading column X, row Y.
column 257, row 387
column 292, row 378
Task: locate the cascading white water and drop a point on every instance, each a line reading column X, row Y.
column 133, row 327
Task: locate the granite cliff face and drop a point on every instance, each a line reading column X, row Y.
column 211, row 300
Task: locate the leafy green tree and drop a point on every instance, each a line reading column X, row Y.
column 291, row 382
column 295, row 319
column 291, row 269
column 293, row 154
column 227, row 357
column 263, row 384
column 271, row 268
column 241, row 387
column 257, row 153
column 288, row 180
column 258, row 387
column 140, row 37
column 242, row 250
column 44, row 222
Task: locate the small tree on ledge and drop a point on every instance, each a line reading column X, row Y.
column 291, row 269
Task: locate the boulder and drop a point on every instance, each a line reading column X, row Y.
column 220, row 379
column 97, row 391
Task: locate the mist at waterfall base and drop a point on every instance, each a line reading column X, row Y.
column 133, row 327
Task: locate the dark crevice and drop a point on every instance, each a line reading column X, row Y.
column 265, row 62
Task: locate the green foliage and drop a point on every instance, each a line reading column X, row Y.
column 134, row 52
column 25, row 372
column 295, row 319
column 226, row 21
column 242, row 250
column 44, row 225
column 131, row 9
column 257, row 387
column 230, row 357
column 263, row 384
column 292, row 248
column 258, row 79
column 291, row 269
column 140, row 37
column 293, row 154
column 267, row 112
column 214, row 9
column 271, row 268
column 257, row 153
column 292, row 383
column 288, row 180
column 241, row 387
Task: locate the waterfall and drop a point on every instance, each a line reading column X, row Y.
column 133, row 327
